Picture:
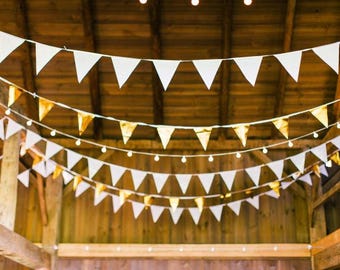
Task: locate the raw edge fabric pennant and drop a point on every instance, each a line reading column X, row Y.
column 98, row 198
column 175, row 215
column 323, row 170
column 2, row 130
column 44, row 107
column 50, row 167
column 203, row 134
column 94, row 165
column 40, row 168
column 282, row 125
column 24, row 178
column 84, row 61
column 116, row 203
column 137, row 208
column 174, row 202
column 8, row 43
column 336, row 142
column 285, row 185
column 137, row 177
column 249, row 67
column 329, row 54
column 160, row 179
column 43, row 54
column 156, row 212
column 216, row 210
column 272, row 193
column 306, row 178
column 276, row 167
column 116, row 173
column 320, row 152
column 242, row 133
column 124, row 67
column 254, row 174
column 84, row 119
column 228, row 178
column 291, row 62
column 72, row 158
column 67, row 177
column 31, row 138
column 254, row 201
column 183, row 181
column 299, row 161
column 321, row 113
column 13, row 94
column 81, row 188
column 12, row 128
column 206, row 180
column 127, row 129
column 195, row 214
column 207, row 70
column 235, row 207
column 166, row 70
column 52, row 149
column 165, row 133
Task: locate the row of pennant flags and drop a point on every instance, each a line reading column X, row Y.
column 165, row 132
column 166, row 69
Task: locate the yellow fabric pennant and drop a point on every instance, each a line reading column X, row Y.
column 13, row 94
column 275, row 186
column 84, row 119
column 36, row 160
column 99, row 188
column 200, row 203
column 174, row 203
column 76, row 181
column 147, row 200
column 44, row 107
column 203, row 135
column 335, row 158
column 127, row 129
column 165, row 134
column 57, row 171
column 316, row 170
column 321, row 114
column 242, row 132
column 123, row 195
column 282, row 125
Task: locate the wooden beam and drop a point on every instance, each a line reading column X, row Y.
column 156, row 53
column 42, row 199
column 90, row 45
column 336, row 112
column 326, row 242
column 324, row 197
column 9, row 182
column 15, row 247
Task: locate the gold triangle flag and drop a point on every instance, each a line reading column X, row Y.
column 282, row 125
column 44, row 107
column 203, row 135
column 200, row 202
column 165, row 134
column 174, row 203
column 335, row 158
column 321, row 114
column 13, row 94
column 316, row 170
column 84, row 119
column 76, row 181
column 57, row 171
column 127, row 129
column 99, row 188
column 275, row 186
column 147, row 200
column 123, row 195
column 242, row 132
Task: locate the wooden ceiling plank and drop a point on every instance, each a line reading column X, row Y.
column 93, row 75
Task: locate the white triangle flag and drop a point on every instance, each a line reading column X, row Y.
column 206, row 180
column 291, row 62
column 137, row 177
column 165, row 133
column 175, row 215
column 116, row 203
column 72, row 158
column 84, row 62
column 272, row 193
column 228, row 178
column 306, row 178
column 81, row 188
column 116, row 173
column 137, row 208
column 320, row 152
column 254, row 201
column 43, row 54
column 203, row 134
column 50, row 167
column 235, row 206
column 124, row 67
column 249, row 67
column 323, row 170
column 52, row 149
column 156, row 212
column 296, row 175
column 276, row 167
column 40, row 168
column 183, row 181
column 207, row 70
column 195, row 214
column 12, row 128
column 329, row 54
column 24, row 178
column 160, row 179
column 99, row 197
column 67, row 177
column 2, row 131
column 8, row 43
column 336, row 142
column 299, row 161
column 31, row 138
column 285, row 185
column 166, row 70
column 254, row 173
column 94, row 166
column 217, row 211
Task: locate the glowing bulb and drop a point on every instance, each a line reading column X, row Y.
column 338, row 125
column 8, row 111
column 221, row 196
column 78, row 142
column 143, row 1
column 290, row 144
column 103, row 149
column 53, row 133
column 129, row 154
column 29, row 123
column 211, row 158
column 181, row 249
column 244, row 249
column 315, row 135
column 275, row 248
column 247, row 2
column 212, row 249
column 150, row 249
column 264, row 150
column 309, row 247
column 184, row 159
column 156, row 158
column 238, row 155
column 195, row 2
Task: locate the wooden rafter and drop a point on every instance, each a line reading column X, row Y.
column 90, row 45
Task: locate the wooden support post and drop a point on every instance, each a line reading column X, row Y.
column 42, row 200
column 9, row 182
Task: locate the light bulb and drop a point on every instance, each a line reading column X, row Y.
column 275, row 248
column 143, row 1
column 195, row 2
column 103, row 149
column 129, row 154
column 184, row 159
column 29, row 123
column 247, row 2
column 53, row 133
column 78, row 142
column 8, row 111
column 264, row 150
column 211, row 158
column 156, row 158
column 290, row 144
column 315, row 135
column 238, row 155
